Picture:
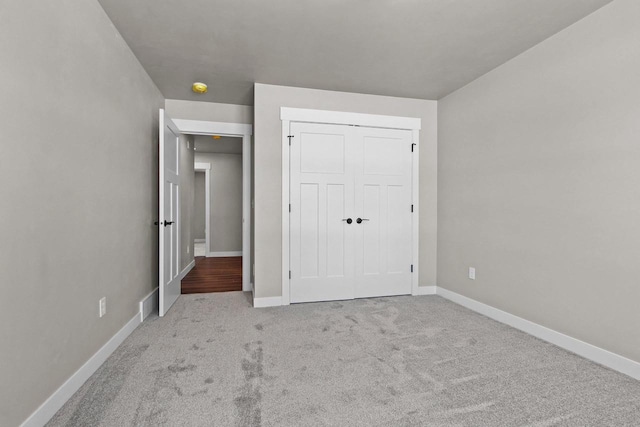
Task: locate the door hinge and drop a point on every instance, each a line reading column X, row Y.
column 412, row 146
column 412, row 268
column 289, row 274
column 289, row 207
column 411, row 208
column 289, row 136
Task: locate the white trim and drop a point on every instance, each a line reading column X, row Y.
column 344, row 118
column 206, row 168
column 425, row 290
column 186, row 270
column 48, row 409
column 286, row 199
column 267, row 302
column 287, row 115
column 246, row 212
column 415, row 216
column 225, row 254
column 202, row 127
column 574, row 345
column 149, row 304
column 244, row 131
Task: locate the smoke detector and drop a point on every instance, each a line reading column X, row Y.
column 199, row 87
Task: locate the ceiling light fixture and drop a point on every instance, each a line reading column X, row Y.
column 199, row 87
column 216, row 136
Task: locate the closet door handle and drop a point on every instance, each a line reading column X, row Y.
column 359, row 220
column 348, row 220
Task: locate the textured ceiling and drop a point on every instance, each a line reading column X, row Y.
column 409, row 48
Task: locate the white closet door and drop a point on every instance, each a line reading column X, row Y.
column 383, row 202
column 322, row 199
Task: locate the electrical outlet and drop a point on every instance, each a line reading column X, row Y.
column 102, row 306
column 188, row 248
column 472, row 273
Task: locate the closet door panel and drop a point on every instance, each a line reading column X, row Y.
column 322, row 186
column 383, row 202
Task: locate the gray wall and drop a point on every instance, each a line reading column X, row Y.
column 539, row 171
column 268, row 171
column 199, row 205
column 209, row 111
column 226, row 200
column 78, row 166
column 186, row 200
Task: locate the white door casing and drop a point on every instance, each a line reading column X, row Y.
column 169, row 235
column 350, row 212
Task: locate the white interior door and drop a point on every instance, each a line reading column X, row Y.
column 350, row 214
column 322, row 201
column 169, row 284
column 383, row 210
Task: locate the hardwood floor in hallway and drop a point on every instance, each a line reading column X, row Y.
column 214, row 275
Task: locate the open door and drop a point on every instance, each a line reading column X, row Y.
column 169, row 286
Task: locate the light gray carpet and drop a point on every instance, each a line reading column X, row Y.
column 402, row 361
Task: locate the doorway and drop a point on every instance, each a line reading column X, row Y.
column 217, row 215
column 169, row 286
column 243, row 132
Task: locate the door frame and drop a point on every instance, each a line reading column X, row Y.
column 288, row 115
column 206, row 168
column 239, row 130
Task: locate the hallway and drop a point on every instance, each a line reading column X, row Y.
column 216, row 274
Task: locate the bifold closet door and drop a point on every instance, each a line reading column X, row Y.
column 383, row 173
column 350, row 214
column 322, row 200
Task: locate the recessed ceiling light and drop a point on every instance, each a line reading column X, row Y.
column 199, row 87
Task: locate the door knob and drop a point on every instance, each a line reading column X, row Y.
column 168, row 223
column 359, row 220
column 349, row 220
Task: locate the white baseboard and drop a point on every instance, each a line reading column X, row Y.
column 581, row 348
column 149, row 304
column 187, row 269
column 426, row 290
column 199, row 241
column 267, row 302
column 223, row 254
column 48, row 409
